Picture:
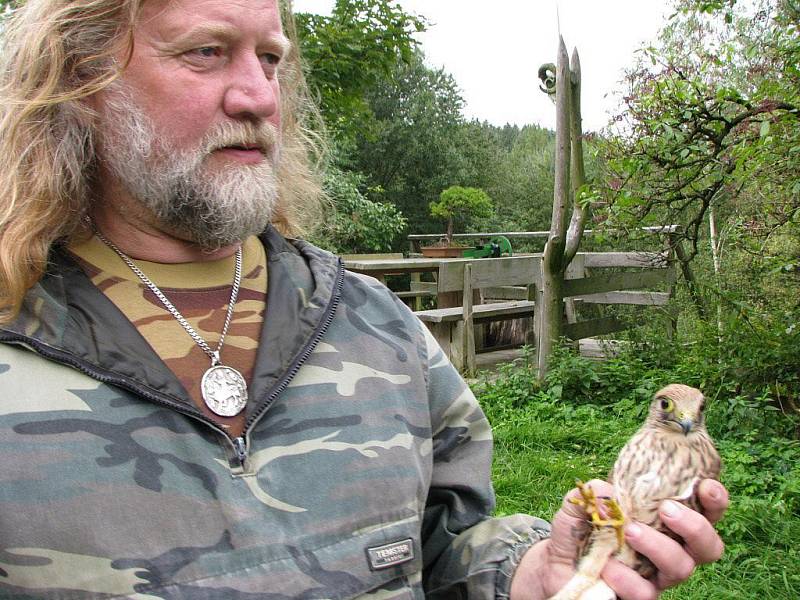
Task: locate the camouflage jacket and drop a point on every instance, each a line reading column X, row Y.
column 363, row 473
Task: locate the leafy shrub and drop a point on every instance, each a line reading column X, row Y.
column 359, row 224
column 764, row 479
column 626, row 379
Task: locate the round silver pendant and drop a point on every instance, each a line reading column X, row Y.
column 224, row 391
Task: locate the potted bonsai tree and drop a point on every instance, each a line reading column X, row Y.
column 462, row 203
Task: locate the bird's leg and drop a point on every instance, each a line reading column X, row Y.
column 589, row 502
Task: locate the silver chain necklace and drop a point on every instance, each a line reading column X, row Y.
column 223, row 388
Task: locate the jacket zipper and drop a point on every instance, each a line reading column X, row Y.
column 240, row 447
column 238, row 444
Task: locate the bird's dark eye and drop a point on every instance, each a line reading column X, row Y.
column 666, row 404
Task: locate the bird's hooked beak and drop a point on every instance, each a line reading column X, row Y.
column 686, row 423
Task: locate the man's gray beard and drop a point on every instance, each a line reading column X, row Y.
column 213, row 208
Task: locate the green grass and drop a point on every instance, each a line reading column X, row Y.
column 547, row 438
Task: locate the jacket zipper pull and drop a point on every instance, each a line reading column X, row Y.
column 240, row 446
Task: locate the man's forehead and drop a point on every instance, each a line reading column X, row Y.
column 175, row 17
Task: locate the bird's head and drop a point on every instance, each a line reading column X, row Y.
column 678, row 408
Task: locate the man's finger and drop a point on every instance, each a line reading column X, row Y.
column 627, row 583
column 671, row 559
column 701, row 540
column 714, row 498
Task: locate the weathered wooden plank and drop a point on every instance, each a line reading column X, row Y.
column 464, row 333
column 659, row 229
column 384, row 256
column 474, row 236
column 419, row 289
column 513, row 292
column 628, row 297
column 424, row 286
column 610, row 282
column 506, row 292
column 489, row 272
column 624, row 259
column 518, row 312
column 593, row 327
column 479, row 311
column 576, row 269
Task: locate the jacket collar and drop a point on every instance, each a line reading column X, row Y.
column 66, row 318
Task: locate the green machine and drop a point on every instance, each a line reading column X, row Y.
column 496, row 247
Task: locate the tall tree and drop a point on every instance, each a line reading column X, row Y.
column 347, row 54
column 520, row 178
column 712, row 119
column 351, row 52
column 416, row 155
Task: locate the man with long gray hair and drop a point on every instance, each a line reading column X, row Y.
column 197, row 405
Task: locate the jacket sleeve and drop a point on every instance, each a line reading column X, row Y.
column 466, row 552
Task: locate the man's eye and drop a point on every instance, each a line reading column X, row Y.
column 270, row 59
column 206, row 52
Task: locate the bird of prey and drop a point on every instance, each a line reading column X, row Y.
column 666, row 459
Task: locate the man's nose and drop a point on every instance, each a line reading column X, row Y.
column 251, row 94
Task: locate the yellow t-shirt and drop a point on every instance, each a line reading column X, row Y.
column 201, row 292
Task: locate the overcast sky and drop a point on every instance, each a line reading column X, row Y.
column 494, row 53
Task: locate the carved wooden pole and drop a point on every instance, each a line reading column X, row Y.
column 569, row 215
column 552, row 267
column 580, row 210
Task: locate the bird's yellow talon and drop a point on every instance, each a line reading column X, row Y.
column 589, row 501
column 616, row 520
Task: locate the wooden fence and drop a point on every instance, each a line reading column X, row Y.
column 639, row 279
column 593, row 279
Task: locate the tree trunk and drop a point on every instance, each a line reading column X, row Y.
column 688, row 276
column 715, row 247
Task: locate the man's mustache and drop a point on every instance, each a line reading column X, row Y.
column 262, row 137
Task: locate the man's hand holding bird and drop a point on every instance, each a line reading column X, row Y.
column 665, row 484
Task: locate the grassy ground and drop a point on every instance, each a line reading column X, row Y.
column 544, row 442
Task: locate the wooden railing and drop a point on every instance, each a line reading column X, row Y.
column 587, row 283
column 454, row 327
column 642, row 279
column 637, row 279
column 416, row 239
